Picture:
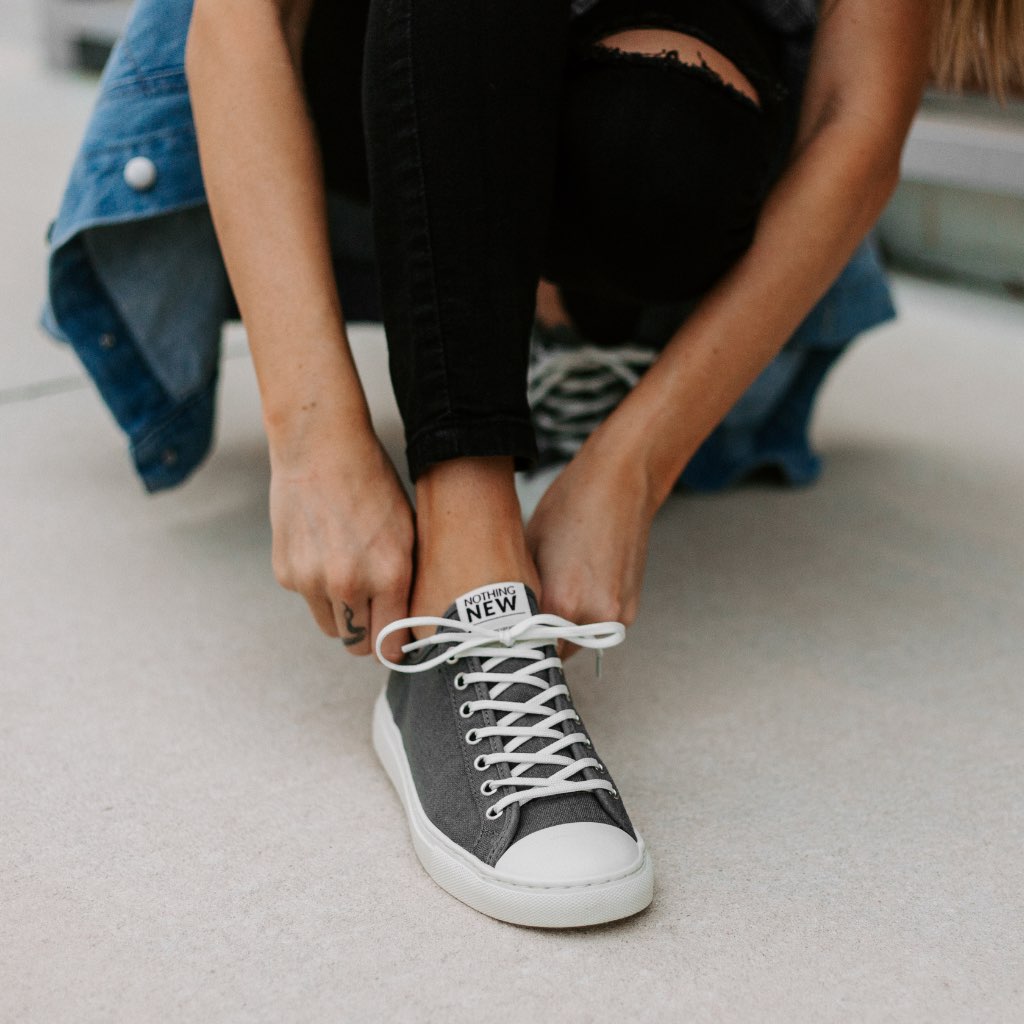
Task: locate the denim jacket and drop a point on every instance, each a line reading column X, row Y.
column 137, row 285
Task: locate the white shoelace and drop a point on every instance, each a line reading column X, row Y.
column 523, row 641
column 571, row 390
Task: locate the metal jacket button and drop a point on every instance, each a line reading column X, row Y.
column 140, row 173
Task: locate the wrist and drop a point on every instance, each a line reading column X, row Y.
column 314, row 422
column 651, row 440
column 619, row 455
column 310, row 394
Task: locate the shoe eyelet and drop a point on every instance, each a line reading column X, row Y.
column 480, row 763
column 451, row 661
column 473, row 737
column 600, row 768
column 465, row 711
column 588, row 743
column 488, row 788
column 492, row 814
column 613, row 793
column 460, row 681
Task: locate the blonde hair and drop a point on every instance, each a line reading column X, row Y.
column 980, row 44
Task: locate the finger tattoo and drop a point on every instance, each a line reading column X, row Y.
column 357, row 634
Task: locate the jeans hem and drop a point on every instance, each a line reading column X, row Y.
column 513, row 438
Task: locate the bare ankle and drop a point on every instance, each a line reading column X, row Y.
column 469, row 532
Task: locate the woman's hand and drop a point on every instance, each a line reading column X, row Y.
column 588, row 537
column 343, row 534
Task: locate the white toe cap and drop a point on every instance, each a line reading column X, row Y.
column 567, row 854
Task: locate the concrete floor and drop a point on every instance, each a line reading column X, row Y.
column 816, row 722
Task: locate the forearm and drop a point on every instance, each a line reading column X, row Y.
column 807, row 232
column 264, row 180
column 864, row 86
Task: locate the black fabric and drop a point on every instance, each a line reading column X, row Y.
column 661, row 175
column 662, row 168
column 332, row 67
column 500, row 143
column 461, row 117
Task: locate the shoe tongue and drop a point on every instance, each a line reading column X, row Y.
column 496, row 605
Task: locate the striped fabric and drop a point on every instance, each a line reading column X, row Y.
column 573, row 386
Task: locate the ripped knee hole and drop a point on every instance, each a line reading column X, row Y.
column 687, row 49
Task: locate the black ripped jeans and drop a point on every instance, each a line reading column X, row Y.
column 497, row 141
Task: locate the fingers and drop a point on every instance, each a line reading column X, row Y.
column 353, row 625
column 386, row 609
column 343, row 539
column 323, row 612
column 338, row 619
column 356, row 620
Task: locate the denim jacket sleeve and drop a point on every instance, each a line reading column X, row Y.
column 136, row 283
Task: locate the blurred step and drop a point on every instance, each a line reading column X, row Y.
column 959, row 209
column 79, row 34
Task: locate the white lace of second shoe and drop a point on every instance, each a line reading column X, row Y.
column 572, row 389
column 523, row 642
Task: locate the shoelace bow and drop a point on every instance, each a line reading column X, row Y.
column 523, row 641
column 571, row 390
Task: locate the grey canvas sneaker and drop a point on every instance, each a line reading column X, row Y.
column 509, row 807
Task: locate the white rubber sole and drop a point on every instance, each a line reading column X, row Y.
column 515, row 900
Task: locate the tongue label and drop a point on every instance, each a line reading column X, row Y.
column 498, row 605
